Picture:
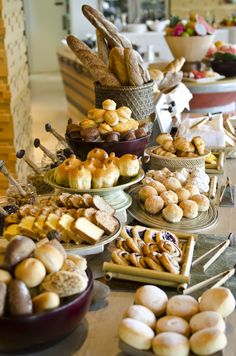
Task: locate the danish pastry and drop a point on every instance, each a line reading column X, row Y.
column 120, row 257
column 137, row 260
column 170, row 263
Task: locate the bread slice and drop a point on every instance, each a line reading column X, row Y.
column 11, row 231
column 51, row 222
column 39, row 225
column 88, row 231
column 26, row 226
column 105, row 222
column 100, row 204
column 64, row 225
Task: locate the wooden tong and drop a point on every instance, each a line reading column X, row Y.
column 227, row 184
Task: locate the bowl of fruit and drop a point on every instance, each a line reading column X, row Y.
column 223, row 58
column 189, row 38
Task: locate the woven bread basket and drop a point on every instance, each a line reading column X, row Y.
column 139, row 99
column 174, row 163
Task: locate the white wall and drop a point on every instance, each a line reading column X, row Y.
column 80, row 26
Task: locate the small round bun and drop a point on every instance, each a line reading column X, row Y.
column 207, row 341
column 183, row 194
column 45, row 301
column 124, row 113
column 31, row 271
column 169, row 197
column 98, row 153
column 207, row 319
column 136, row 334
column 111, row 118
column 172, row 323
column 5, row 276
column 160, row 188
column 108, row 104
column 202, row 202
column 183, row 306
column 153, row 298
column 190, row 209
column 146, row 192
column 218, row 299
column 153, row 204
column 141, row 313
column 192, row 188
column 172, row 213
column 172, row 183
column 50, row 257
column 170, row 344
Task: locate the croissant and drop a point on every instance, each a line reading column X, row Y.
column 162, row 137
column 161, row 152
column 200, row 145
column 187, row 154
column 80, row 178
column 168, row 146
column 182, row 144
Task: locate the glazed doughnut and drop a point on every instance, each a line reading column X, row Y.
column 120, row 257
column 109, row 104
column 134, row 244
column 137, row 260
column 111, row 118
column 170, row 263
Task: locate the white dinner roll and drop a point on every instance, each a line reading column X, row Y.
column 45, row 301
column 31, row 271
column 183, row 306
column 218, row 299
column 135, row 333
column 143, row 314
column 5, row 276
column 153, row 298
column 172, row 323
column 50, row 256
column 170, row 344
column 207, row 319
column 207, row 341
column 202, row 201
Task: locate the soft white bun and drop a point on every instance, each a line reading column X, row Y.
column 183, row 194
column 153, row 204
column 157, row 185
column 141, row 313
column 128, row 165
column 172, row 183
column 202, row 202
column 108, row 104
column 45, row 301
column 183, row 306
column 192, row 188
column 172, row 213
column 153, row 298
column 135, row 333
column 50, row 257
column 174, row 324
column 207, row 319
column 207, row 341
column 170, row 344
column 98, row 153
column 146, row 191
column 31, row 271
column 111, row 118
column 218, row 299
column 169, row 197
column 5, row 276
column 190, row 209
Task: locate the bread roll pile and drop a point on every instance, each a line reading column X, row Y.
column 176, row 326
column 33, row 277
column 108, row 124
column 99, row 170
column 81, row 219
column 175, row 194
column 179, row 146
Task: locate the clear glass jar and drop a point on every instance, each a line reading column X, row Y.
column 42, row 188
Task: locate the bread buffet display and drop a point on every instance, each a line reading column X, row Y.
column 38, row 276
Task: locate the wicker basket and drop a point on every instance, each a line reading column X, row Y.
column 139, row 99
column 173, row 163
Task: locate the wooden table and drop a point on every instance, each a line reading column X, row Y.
column 97, row 336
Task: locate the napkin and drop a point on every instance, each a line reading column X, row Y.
column 212, row 132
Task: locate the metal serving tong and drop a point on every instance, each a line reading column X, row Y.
column 204, row 120
column 227, row 184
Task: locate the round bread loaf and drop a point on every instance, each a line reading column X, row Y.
column 153, row 298
column 183, row 306
column 5, row 276
column 207, row 341
column 50, row 257
column 153, row 204
column 183, row 194
column 190, row 208
column 135, row 333
column 172, row 213
column 193, row 189
column 31, row 271
column 172, row 323
column 141, row 313
column 45, row 301
column 170, row 344
column 169, row 197
column 218, row 299
column 172, row 183
column 202, row 202
column 207, row 319
column 146, row 191
column 160, row 188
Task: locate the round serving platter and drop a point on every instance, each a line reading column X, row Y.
column 203, row 221
column 115, row 196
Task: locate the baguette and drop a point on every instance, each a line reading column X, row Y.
column 108, row 30
column 175, row 65
column 102, row 47
column 132, row 67
column 95, row 65
column 117, row 66
column 170, row 80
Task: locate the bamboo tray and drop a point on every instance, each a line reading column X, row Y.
column 217, row 168
column 149, row 276
column 202, row 222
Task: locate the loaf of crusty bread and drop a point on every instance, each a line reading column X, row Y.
column 132, row 67
column 102, row 46
column 107, row 28
column 175, row 65
column 95, row 65
column 117, row 65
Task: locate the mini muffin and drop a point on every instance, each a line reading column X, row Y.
column 190, row 208
column 172, row 213
column 169, row 197
column 202, row 202
column 154, row 204
column 183, row 194
column 172, row 183
column 193, row 189
column 146, row 192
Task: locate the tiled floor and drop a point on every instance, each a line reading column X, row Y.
column 48, row 105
